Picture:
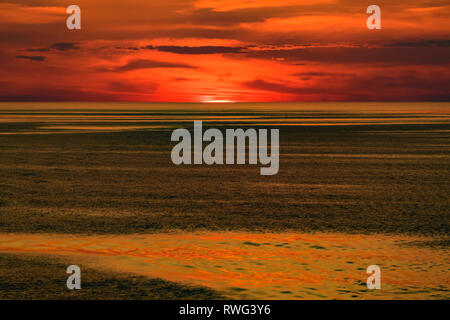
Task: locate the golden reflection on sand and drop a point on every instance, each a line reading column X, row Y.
column 49, row 118
column 261, row 266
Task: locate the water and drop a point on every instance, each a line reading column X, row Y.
column 363, row 174
column 41, row 118
column 261, row 266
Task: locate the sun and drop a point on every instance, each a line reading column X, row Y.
column 219, row 101
column 209, row 99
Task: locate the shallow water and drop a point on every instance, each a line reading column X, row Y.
column 46, row 118
column 261, row 265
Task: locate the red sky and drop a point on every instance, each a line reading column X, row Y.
column 230, row 50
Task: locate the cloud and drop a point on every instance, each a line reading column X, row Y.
column 148, row 64
column 197, row 50
column 127, row 48
column 59, row 46
column 321, row 74
column 57, row 94
column 34, row 58
column 212, row 17
column 64, row 46
column 423, row 43
column 280, row 88
column 129, row 87
column 360, row 55
column 403, row 86
column 19, row 14
column 38, row 50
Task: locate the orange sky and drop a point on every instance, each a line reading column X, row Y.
column 224, row 50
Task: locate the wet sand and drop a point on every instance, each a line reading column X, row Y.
column 354, row 179
column 260, row 266
column 40, row 276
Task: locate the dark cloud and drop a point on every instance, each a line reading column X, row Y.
column 361, row 55
column 127, row 48
column 38, row 50
column 422, row 43
column 407, row 86
column 55, row 93
column 64, row 46
column 280, row 88
column 59, row 46
column 197, row 50
column 34, row 58
column 321, row 74
column 148, row 64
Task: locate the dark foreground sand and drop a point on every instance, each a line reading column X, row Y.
column 25, row 276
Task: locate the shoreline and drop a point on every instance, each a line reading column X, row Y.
column 257, row 266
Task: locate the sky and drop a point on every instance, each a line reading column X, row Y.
column 224, row 51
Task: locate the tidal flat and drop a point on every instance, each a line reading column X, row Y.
column 385, row 173
column 92, row 170
column 237, row 265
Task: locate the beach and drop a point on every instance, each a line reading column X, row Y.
column 368, row 183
